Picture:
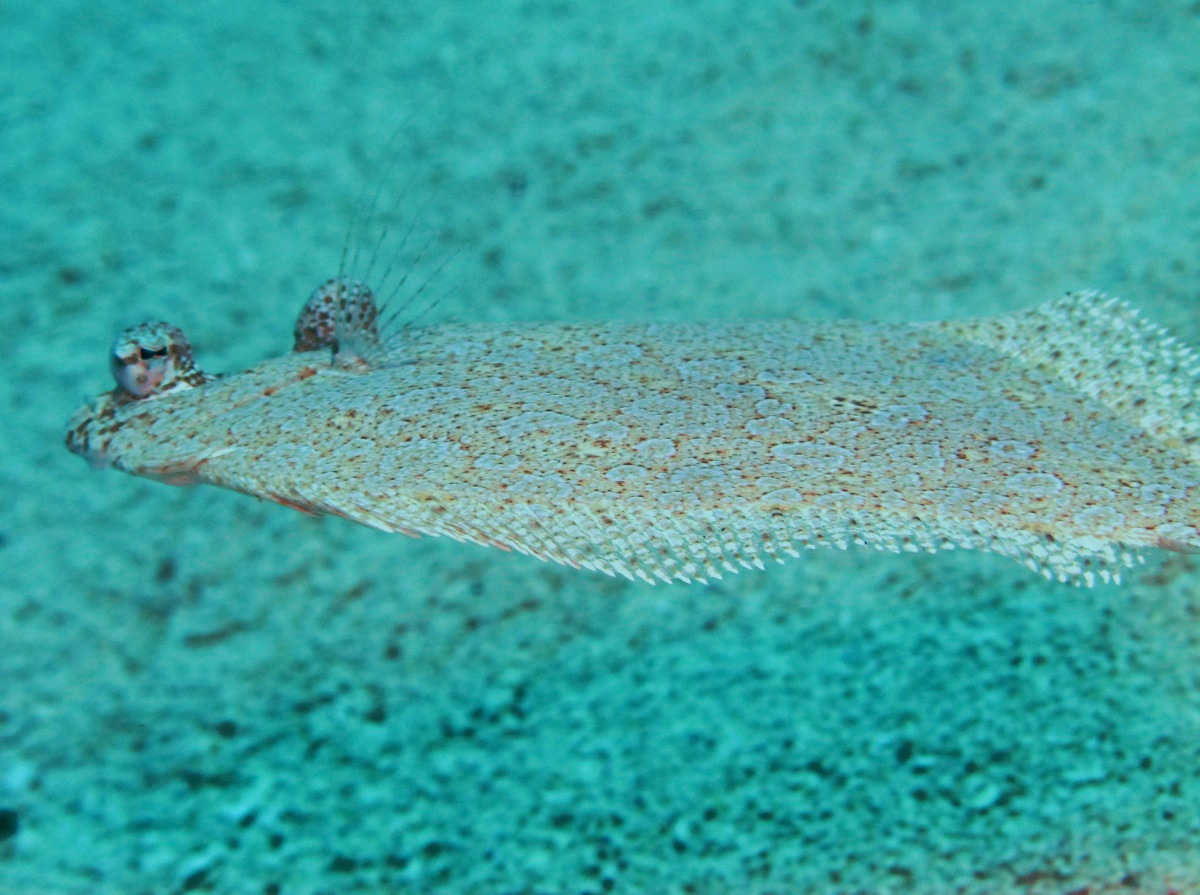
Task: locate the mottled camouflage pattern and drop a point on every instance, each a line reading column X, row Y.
column 1065, row 436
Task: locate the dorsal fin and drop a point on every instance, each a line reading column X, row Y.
column 341, row 314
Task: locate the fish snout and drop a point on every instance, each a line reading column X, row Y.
column 90, row 429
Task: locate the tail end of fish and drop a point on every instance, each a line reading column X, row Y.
column 1104, row 348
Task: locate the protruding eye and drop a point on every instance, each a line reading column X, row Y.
column 151, row 359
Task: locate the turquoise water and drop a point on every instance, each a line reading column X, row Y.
column 206, row 693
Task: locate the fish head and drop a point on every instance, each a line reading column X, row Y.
column 166, row 418
column 152, row 365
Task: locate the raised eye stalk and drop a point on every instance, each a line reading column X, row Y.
column 151, row 359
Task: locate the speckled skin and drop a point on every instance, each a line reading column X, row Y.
column 1065, row 436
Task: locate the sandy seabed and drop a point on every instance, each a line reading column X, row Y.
column 205, row 693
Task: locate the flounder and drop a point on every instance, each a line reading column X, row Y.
column 1066, row 436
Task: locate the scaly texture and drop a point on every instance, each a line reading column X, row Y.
column 1065, row 436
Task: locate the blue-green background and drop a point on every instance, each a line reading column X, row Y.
column 201, row 692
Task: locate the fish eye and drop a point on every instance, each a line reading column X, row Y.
column 153, row 358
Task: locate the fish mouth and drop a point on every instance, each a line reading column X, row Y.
column 92, row 433
column 87, row 433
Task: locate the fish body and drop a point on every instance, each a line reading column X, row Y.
column 1066, row 436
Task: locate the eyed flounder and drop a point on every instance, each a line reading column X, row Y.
column 1066, row 436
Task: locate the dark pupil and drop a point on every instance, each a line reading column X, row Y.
column 147, row 353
